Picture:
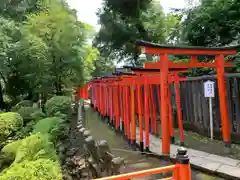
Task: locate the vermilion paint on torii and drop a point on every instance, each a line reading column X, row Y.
column 83, row 91
column 164, row 64
column 143, row 78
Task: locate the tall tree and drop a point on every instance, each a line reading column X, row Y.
column 122, row 23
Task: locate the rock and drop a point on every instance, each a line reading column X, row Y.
column 117, row 163
column 66, row 176
column 86, row 134
column 79, row 126
column 92, row 148
column 81, row 131
column 62, row 149
column 71, row 152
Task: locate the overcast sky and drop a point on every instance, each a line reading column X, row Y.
column 87, row 8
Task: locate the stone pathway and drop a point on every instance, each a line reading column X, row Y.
column 224, row 166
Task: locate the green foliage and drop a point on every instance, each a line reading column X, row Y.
column 212, row 23
column 46, row 125
column 26, row 113
column 33, row 170
column 11, row 149
column 43, row 48
column 35, row 147
column 128, row 8
column 25, row 103
column 52, row 126
column 119, row 30
column 61, row 54
column 9, row 122
column 37, row 115
column 58, row 104
column 25, row 131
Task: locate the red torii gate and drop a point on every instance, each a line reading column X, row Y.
column 164, row 64
column 142, row 78
column 83, row 91
column 154, row 79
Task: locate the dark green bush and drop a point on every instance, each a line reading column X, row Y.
column 41, row 169
column 28, row 127
column 10, row 122
column 56, row 104
column 25, row 103
column 53, row 126
column 37, row 115
column 25, row 131
column 26, row 113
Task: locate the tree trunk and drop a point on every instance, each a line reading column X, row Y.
column 30, row 96
column 2, row 103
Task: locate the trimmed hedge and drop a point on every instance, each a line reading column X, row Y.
column 30, row 148
column 9, row 122
column 56, row 104
column 10, row 150
column 44, row 169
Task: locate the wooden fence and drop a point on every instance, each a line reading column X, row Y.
column 195, row 106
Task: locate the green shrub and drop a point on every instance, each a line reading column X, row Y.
column 26, row 113
column 44, row 169
column 46, row 125
column 10, row 150
column 56, row 104
column 54, row 126
column 9, row 122
column 25, row 131
column 61, row 115
column 25, row 103
column 35, row 147
column 37, row 115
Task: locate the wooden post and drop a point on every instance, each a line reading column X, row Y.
column 146, row 114
column 151, row 124
column 170, row 116
column 128, row 114
column 140, row 115
column 179, row 111
column 117, row 106
column 125, row 106
column 223, row 100
column 133, row 119
column 164, row 107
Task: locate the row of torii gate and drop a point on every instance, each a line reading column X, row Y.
column 119, row 96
